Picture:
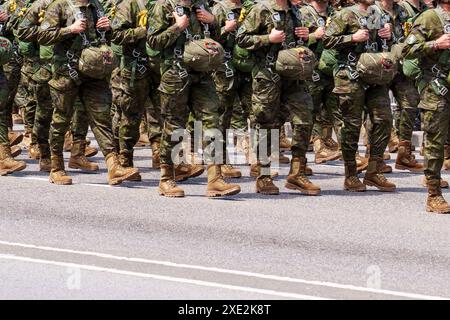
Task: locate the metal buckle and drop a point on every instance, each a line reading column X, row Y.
column 374, row 46
column 136, row 54
column 197, row 37
column 270, row 59
column 141, row 68
column 227, row 54
column 291, row 45
column 442, row 89
column 353, row 73
column 85, row 39
column 351, row 57
column 183, row 73
column 435, row 70
column 315, row 76
column 300, row 42
column 207, row 34
column 73, row 73
column 275, row 76
column 228, row 71
column 178, row 53
column 385, row 46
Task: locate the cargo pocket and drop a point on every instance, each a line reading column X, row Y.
column 171, row 82
column 429, row 100
column 343, row 83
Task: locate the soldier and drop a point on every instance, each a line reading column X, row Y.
column 326, row 110
column 74, row 28
column 429, row 41
column 267, row 29
column 348, row 34
column 7, row 162
column 173, row 25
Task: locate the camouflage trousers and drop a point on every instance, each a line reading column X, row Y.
column 355, row 98
column 407, row 97
column 232, row 91
column 12, row 73
column 4, row 112
column 95, row 96
column 194, row 94
column 326, row 106
column 435, row 115
column 270, row 97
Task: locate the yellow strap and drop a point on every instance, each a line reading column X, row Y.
column 242, row 15
column 142, row 18
column 12, row 6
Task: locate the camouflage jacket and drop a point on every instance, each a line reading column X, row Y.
column 28, row 28
column 254, row 32
column 419, row 44
column 163, row 34
column 313, row 20
column 15, row 10
column 338, row 35
column 54, row 29
column 221, row 10
column 394, row 20
column 407, row 13
column 130, row 27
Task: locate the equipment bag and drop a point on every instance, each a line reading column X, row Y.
column 203, row 55
column 377, row 68
column 6, row 51
column 296, row 63
column 328, row 61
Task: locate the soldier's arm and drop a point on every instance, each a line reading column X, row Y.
column 308, row 21
column 220, row 16
column 126, row 28
column 336, row 34
column 249, row 34
column 52, row 29
column 162, row 32
column 420, row 42
column 28, row 29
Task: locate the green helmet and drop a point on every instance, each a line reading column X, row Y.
column 6, row 51
column 296, row 63
column 97, row 62
column 203, row 55
column 377, row 68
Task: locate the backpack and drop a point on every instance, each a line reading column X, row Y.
column 296, row 63
column 6, row 51
column 203, row 55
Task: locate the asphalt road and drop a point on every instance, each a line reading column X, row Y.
column 90, row 240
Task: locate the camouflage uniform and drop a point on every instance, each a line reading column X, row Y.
column 355, row 95
column 273, row 95
column 4, row 114
column 434, row 104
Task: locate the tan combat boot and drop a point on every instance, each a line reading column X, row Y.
column 90, row 151
column 265, row 185
column 67, row 141
column 308, row 171
column 78, row 158
column 17, row 118
column 167, row 185
column 57, row 174
column 375, row 178
column 361, row 162
column 285, row 144
column 217, row 187
column 185, row 171
column 7, row 163
column 435, row 201
column 116, row 173
column 228, row 171
column 45, row 163
column 393, row 142
column 405, row 160
column 126, row 161
column 322, row 152
column 14, row 138
column 16, row 151
column 143, row 135
column 297, row 180
column 282, row 158
column 155, row 154
column 328, row 138
column 255, row 171
column 444, row 183
column 352, row 182
column 33, row 152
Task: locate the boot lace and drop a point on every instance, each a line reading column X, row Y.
column 354, row 180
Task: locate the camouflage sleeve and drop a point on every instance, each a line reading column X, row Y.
column 28, row 29
column 309, row 22
column 220, row 15
column 126, row 26
column 420, row 41
column 336, row 36
column 162, row 31
column 53, row 29
column 249, row 34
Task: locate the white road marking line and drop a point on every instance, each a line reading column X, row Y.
column 166, row 278
column 229, row 271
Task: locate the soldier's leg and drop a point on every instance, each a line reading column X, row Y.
column 115, row 109
column 332, row 115
column 245, row 105
column 12, row 73
column 25, row 100
column 379, row 111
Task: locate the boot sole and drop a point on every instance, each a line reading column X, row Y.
column 75, row 166
column 16, row 168
column 402, row 167
column 231, row 192
column 60, row 183
column 117, row 181
column 256, row 176
column 45, row 169
column 361, row 189
column 171, row 195
column 383, row 189
column 234, row 176
column 267, row 193
column 302, row 190
column 430, row 210
column 323, row 160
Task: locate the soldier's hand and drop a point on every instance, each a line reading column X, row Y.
column 204, row 16
column 276, row 36
column 302, row 32
column 78, row 26
column 386, row 32
column 182, row 22
column 361, row 35
column 443, row 42
column 230, row 25
column 319, row 33
column 103, row 24
column 3, row 16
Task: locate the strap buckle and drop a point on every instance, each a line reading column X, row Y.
column 354, row 74
column 228, row 71
column 227, row 54
column 182, row 72
column 141, row 68
column 72, row 72
column 315, row 76
column 178, row 52
column 441, row 88
column 275, row 76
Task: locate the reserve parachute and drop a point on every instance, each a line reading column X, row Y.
column 377, row 68
column 97, row 62
column 203, row 55
column 296, row 63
